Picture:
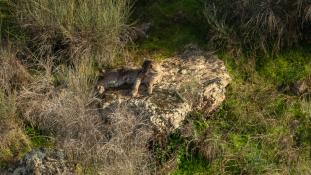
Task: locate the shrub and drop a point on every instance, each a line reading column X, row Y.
column 74, row 27
column 264, row 25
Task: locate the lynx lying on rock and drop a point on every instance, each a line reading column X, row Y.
column 149, row 74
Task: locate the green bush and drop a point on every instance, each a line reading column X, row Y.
column 263, row 25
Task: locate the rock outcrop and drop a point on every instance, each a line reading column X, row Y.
column 193, row 80
column 42, row 161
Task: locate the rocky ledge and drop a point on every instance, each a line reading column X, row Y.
column 43, row 161
column 193, row 80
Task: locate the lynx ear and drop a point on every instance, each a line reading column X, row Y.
column 100, row 72
column 103, row 71
column 147, row 63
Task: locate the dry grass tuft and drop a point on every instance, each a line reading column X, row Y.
column 59, row 98
column 75, row 27
column 13, row 142
column 257, row 24
column 13, row 74
column 71, row 113
column 126, row 151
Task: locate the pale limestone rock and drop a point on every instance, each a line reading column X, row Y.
column 190, row 82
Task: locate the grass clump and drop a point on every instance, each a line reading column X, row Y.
column 97, row 143
column 14, row 143
column 254, row 25
column 73, row 28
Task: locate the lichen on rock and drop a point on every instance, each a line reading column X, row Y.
column 42, row 161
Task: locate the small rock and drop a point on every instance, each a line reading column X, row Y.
column 184, row 71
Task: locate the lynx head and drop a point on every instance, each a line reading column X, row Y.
column 152, row 67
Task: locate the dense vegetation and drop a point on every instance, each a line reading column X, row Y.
column 262, row 127
column 253, row 25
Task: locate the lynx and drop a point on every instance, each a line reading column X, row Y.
column 149, row 74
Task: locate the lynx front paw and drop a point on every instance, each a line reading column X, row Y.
column 134, row 93
column 150, row 89
column 149, row 92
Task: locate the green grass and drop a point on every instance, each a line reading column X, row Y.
column 39, row 138
column 287, row 67
column 191, row 166
column 260, row 130
column 174, row 24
